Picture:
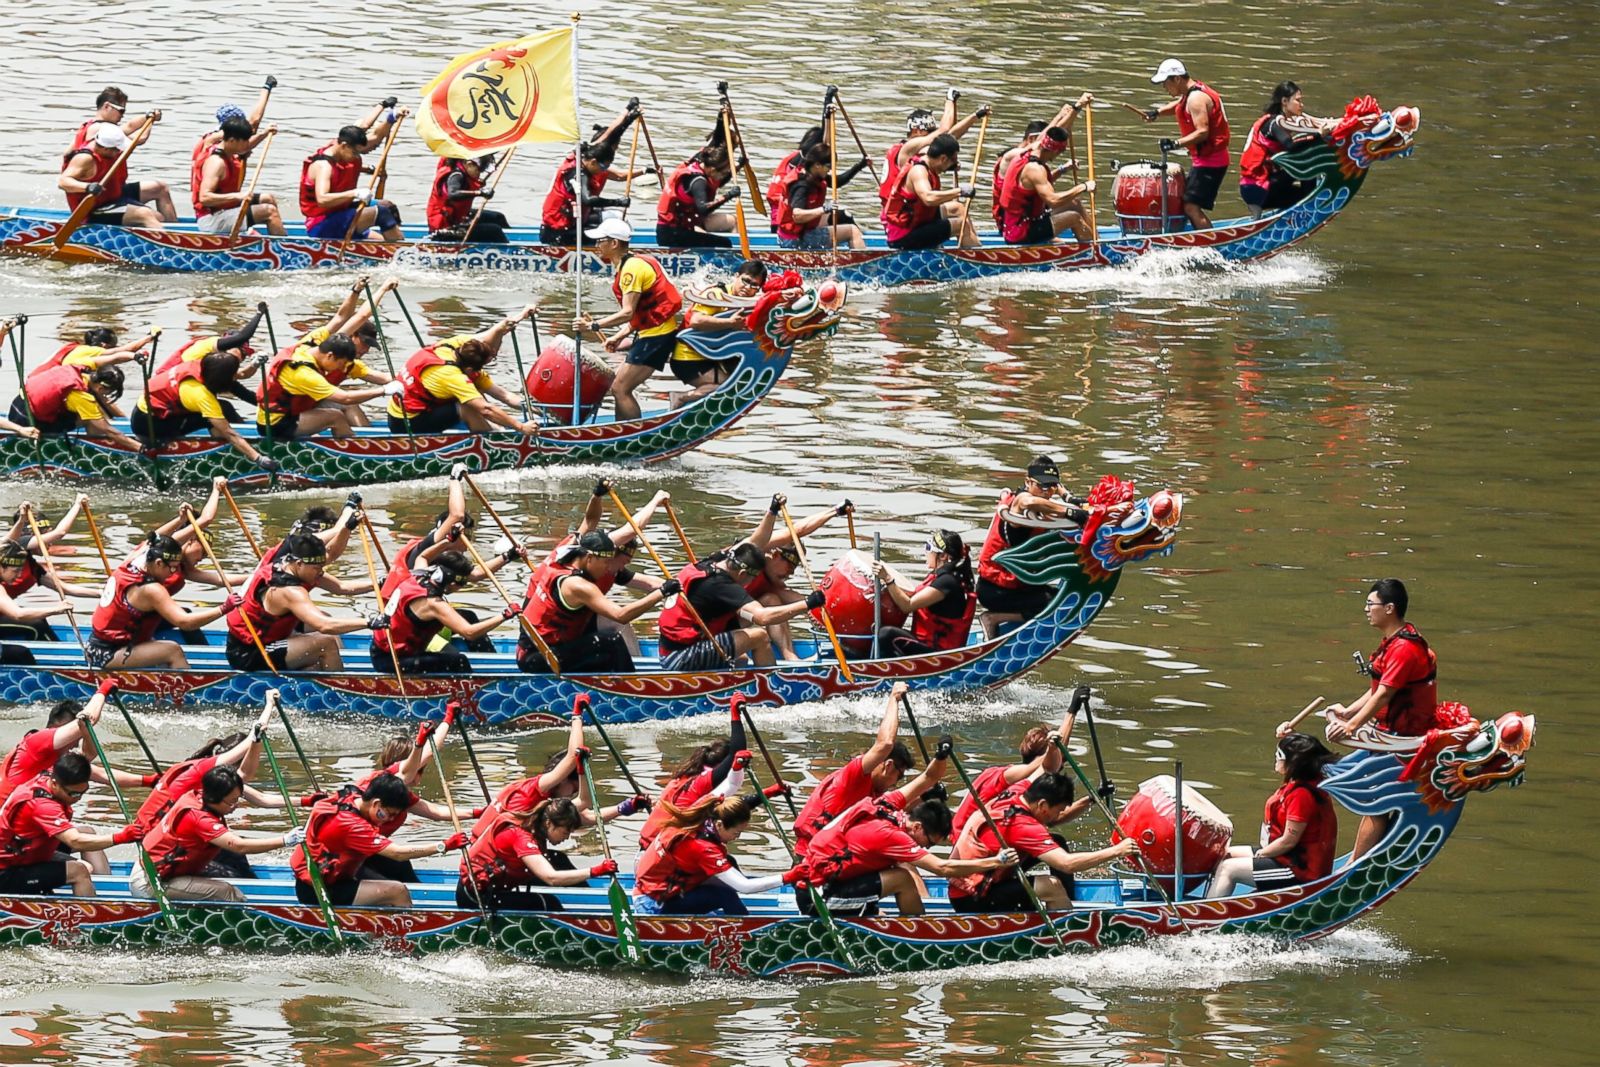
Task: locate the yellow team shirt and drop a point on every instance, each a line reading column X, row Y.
column 194, row 396
column 83, row 356
column 448, row 381
column 83, row 404
column 307, row 380
column 199, row 350
column 684, row 353
column 313, row 338
column 637, row 276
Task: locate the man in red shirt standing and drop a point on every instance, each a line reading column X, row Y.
column 36, row 819
column 1202, row 129
column 1025, row 822
column 873, row 773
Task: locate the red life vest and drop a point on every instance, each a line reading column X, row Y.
column 18, row 850
column 1019, row 205
column 1410, row 710
column 778, row 187
column 487, row 865
column 170, row 856
column 343, row 179
column 942, row 632
column 996, row 188
column 829, row 852
column 789, row 228
column 558, row 211
column 1005, row 809
column 905, row 210
column 416, row 399
column 232, row 174
column 891, row 173
column 1213, row 151
column 443, row 212
column 675, row 623
column 553, row 620
column 270, row 394
column 268, row 627
column 32, row 574
column 675, row 209
column 163, row 397
column 658, row 303
column 117, row 622
column 110, row 173
column 60, row 356
column 48, row 391
column 407, row 634
column 80, row 139
column 177, row 357
column 162, row 797
column 335, row 867
column 995, row 542
column 1254, row 168
column 400, row 571
column 660, row 874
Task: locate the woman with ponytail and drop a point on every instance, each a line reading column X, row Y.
column 1299, row 828
column 687, row 869
column 138, row 597
column 513, row 857
column 941, row 606
column 715, row 769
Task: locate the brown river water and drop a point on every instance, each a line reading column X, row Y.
column 1412, row 393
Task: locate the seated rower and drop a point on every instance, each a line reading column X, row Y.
column 770, row 586
column 689, row 212
column 565, row 603
column 1062, row 119
column 239, row 752
column 713, row 769
column 1038, row 755
column 871, row 774
column 714, row 588
column 687, row 870
column 444, row 386
column 808, row 217
column 941, row 606
column 1005, row 598
column 417, row 611
column 921, row 128
column 36, row 821
column 700, row 373
column 1032, row 210
column 98, row 351
column 331, row 197
column 21, row 571
column 138, row 597
column 558, row 219
column 342, row 833
column 1299, row 826
column 920, row 212
column 787, row 167
column 1025, row 822
column 213, row 137
column 182, row 399
column 869, row 851
column 60, row 398
column 237, row 341
column 297, row 397
column 405, row 757
column 560, row 780
column 457, row 184
column 276, row 610
column 38, row 750
column 97, row 169
column 648, row 305
column 513, row 857
column 353, row 318
column 193, row 833
column 217, row 181
column 22, row 623
column 620, row 569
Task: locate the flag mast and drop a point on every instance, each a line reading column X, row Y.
column 579, row 181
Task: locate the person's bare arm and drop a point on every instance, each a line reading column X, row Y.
column 155, row 598
column 888, row 729
column 297, row 602
column 568, row 764
column 1199, row 106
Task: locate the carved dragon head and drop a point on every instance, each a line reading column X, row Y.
column 1121, row 529
column 1365, row 135
column 1471, row 758
column 786, row 315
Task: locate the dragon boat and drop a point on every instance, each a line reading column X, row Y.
column 1084, row 562
column 1421, row 784
column 373, row 455
column 1336, row 170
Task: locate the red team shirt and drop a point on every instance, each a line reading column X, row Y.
column 521, row 795
column 497, row 857
column 176, row 782
column 181, row 844
column 29, row 825
column 389, row 826
column 1297, row 802
column 873, row 844
column 1023, row 832
column 33, row 755
column 678, row 861
column 343, row 837
column 1407, row 666
column 828, row 801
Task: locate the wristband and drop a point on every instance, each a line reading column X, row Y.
column 149, row 780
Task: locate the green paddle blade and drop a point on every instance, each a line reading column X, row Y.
column 627, row 931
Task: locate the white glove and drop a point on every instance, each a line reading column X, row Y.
column 394, row 388
column 830, row 206
column 458, row 472
column 502, row 546
column 357, row 197
column 293, row 837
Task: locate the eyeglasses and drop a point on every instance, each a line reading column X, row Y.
column 1374, row 604
column 121, row 109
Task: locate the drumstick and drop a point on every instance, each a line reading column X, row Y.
column 1306, row 711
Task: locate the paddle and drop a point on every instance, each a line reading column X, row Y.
column 819, row 905
column 151, row 449
column 1307, row 710
column 833, row 176
column 1002, row 843
column 621, row 907
column 455, row 820
column 227, row 585
column 380, row 176
column 683, row 538
column 738, row 201
column 751, row 179
column 90, row 201
column 313, row 869
column 133, row 727
column 249, row 195
column 388, row 360
column 1080, row 699
column 499, row 169
column 683, row 596
column 827, row 620
column 761, row 745
column 850, row 525
column 522, row 375
column 655, row 160
column 456, row 714
column 383, row 557
column 977, row 158
column 145, row 861
column 22, row 387
column 50, row 568
column 238, row 516
column 1088, row 136
column 588, row 708
column 94, row 532
column 877, row 595
column 851, row 126
column 394, row 653
column 300, row 753
column 527, row 627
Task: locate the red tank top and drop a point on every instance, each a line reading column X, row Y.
column 343, row 179
column 891, row 173
column 407, row 634
column 232, row 174
column 116, row 621
column 268, row 627
column 676, row 624
column 1253, row 166
column 1213, row 151
column 110, row 173
column 1019, row 204
column 416, row 399
column 545, row 612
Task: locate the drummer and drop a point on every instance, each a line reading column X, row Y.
column 941, row 606
column 1006, row 598
column 445, row 385
column 1032, row 210
column 770, row 587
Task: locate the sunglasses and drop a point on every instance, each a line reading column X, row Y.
column 75, row 793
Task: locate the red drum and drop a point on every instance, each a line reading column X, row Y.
column 848, row 588
column 1137, row 191
column 549, row 381
column 1148, row 819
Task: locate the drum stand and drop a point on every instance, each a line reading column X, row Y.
column 1164, row 230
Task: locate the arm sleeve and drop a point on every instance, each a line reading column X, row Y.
column 846, row 176
column 454, row 187
column 700, row 191
column 799, row 192
column 736, row 742
column 241, row 336
column 740, row 883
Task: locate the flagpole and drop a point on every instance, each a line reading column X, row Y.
column 579, row 180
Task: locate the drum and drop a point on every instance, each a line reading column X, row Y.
column 1148, row 820
column 1137, row 192
column 549, row 381
column 848, row 589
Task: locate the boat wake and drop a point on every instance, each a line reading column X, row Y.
column 1186, row 274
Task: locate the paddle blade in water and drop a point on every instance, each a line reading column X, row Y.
column 627, row 932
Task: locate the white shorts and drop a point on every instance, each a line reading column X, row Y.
column 218, row 221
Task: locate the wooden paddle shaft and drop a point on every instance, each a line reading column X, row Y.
column 666, row 572
column 249, row 194
column 87, row 205
column 851, row 126
column 499, row 169
column 1088, row 135
column 627, row 188
column 372, row 573
column 827, row 620
column 1307, row 710
column 205, row 544
column 233, row 505
column 94, row 531
column 527, row 627
column 738, row 202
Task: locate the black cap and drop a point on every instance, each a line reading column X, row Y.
column 1043, row 470
column 595, row 543
column 13, row 555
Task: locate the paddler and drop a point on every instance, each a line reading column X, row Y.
column 715, row 588
column 406, row 757
column 619, row 570
column 342, row 832
column 715, row 768
column 921, row 129
column 648, row 313
column 514, row 857
column 353, row 319
column 182, row 399
column 1037, row 755
column 1062, row 119
column 17, row 568
column 701, row 373
column 941, row 606
column 807, row 215
column 418, row 610
column 79, row 390
column 921, row 213
column 193, row 833
column 561, row 779
column 780, row 559
column 36, row 821
column 213, row 137
column 558, row 219
column 276, row 610
column 98, row 170
column 787, row 167
column 1006, row 598
column 687, row 870
column 1032, row 210
column 688, row 213
column 111, row 109
column 445, row 385
column 1202, row 129
column 330, row 180
column 873, row 773
column 565, row 601
column 457, row 184
column 217, row 181
column 21, row 570
column 38, row 749
column 1024, row 821
column 236, row 341
column 138, row 597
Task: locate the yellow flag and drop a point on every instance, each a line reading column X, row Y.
column 502, row 95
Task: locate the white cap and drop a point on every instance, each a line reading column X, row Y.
column 110, row 135
column 613, row 229
column 1171, row 68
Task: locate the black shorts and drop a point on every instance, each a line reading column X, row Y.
column 341, row 894
column 285, row 429
column 171, row 428
column 1254, row 195
column 441, row 418
column 852, row 897
column 245, row 656
column 65, row 424
column 928, row 235
column 34, row 877
column 1008, row 895
column 1041, row 230
column 565, row 238
column 1201, row 188
column 445, row 661
column 700, row 656
column 98, row 653
column 652, row 351
column 596, row 652
column 1270, row 872
column 673, row 237
column 688, row 370
column 1026, row 600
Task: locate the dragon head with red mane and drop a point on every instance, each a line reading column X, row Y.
column 1120, row 529
column 1366, row 134
column 788, row 312
column 1460, row 755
